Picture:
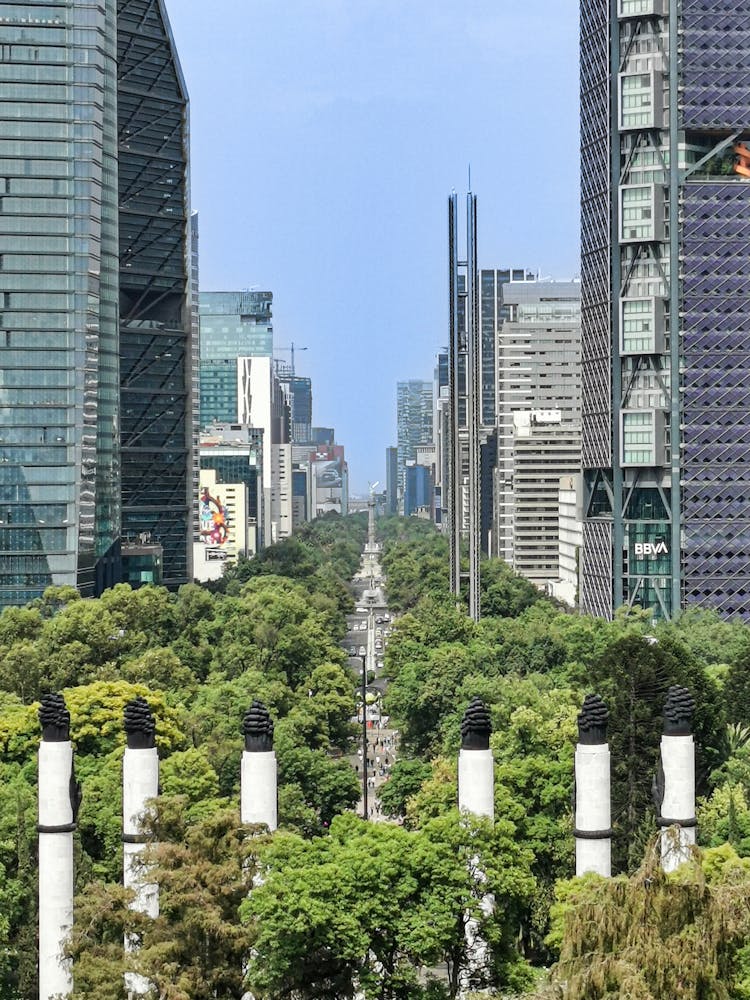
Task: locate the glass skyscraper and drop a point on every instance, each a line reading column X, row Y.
column 59, row 453
column 298, row 389
column 665, row 122
column 159, row 418
column 414, row 422
column 83, row 100
column 232, row 325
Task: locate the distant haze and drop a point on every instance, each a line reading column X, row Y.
column 326, row 136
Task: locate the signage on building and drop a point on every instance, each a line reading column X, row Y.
column 650, row 550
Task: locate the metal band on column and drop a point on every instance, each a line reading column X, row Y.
column 476, row 795
column 140, row 782
column 59, row 799
column 259, row 779
column 593, row 817
column 674, row 787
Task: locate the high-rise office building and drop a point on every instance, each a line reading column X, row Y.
column 299, row 393
column 59, row 401
column 391, row 480
column 95, row 420
column 538, row 368
column 232, row 325
column 231, row 497
column 418, row 490
column 666, row 287
column 493, row 312
column 413, row 420
column 544, row 449
column 158, row 350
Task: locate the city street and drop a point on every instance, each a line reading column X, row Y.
column 365, row 644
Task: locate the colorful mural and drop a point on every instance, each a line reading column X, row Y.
column 214, row 528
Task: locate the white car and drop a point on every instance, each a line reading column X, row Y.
column 362, row 651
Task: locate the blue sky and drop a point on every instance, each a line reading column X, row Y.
column 326, row 137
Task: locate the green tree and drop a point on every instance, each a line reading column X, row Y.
column 652, row 936
column 195, row 949
column 367, row 906
column 406, row 778
column 633, row 677
column 737, row 688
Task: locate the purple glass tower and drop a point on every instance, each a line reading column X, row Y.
column 665, row 167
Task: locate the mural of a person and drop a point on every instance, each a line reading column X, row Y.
column 214, row 519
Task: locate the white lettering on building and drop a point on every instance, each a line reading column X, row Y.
column 650, row 550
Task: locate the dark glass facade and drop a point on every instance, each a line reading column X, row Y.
column 667, row 520
column 299, row 392
column 158, row 419
column 391, row 480
column 417, row 489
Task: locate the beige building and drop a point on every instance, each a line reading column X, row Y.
column 570, row 507
column 225, row 530
column 544, row 449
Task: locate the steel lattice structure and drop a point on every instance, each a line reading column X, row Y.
column 665, row 110
column 157, row 332
column 464, row 381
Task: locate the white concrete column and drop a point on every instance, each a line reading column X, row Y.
column 476, row 782
column 675, row 786
column 140, row 782
column 593, row 811
column 59, row 797
column 259, row 778
column 476, row 768
column 476, row 795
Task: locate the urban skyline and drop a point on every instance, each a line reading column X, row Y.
column 367, row 91
column 661, row 149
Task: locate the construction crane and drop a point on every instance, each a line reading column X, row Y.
column 291, row 349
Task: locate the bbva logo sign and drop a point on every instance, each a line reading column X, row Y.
column 650, row 550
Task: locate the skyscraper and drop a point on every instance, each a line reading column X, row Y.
column 413, row 420
column 157, row 325
column 538, row 368
column 232, row 325
column 665, row 295
column 391, row 480
column 299, row 393
column 493, row 312
column 59, row 448
column 95, row 419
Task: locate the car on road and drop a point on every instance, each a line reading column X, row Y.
column 362, row 651
column 361, row 611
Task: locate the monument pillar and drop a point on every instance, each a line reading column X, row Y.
column 593, row 816
column 140, row 782
column 476, row 769
column 476, row 795
column 59, row 799
column 674, row 788
column 259, row 779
